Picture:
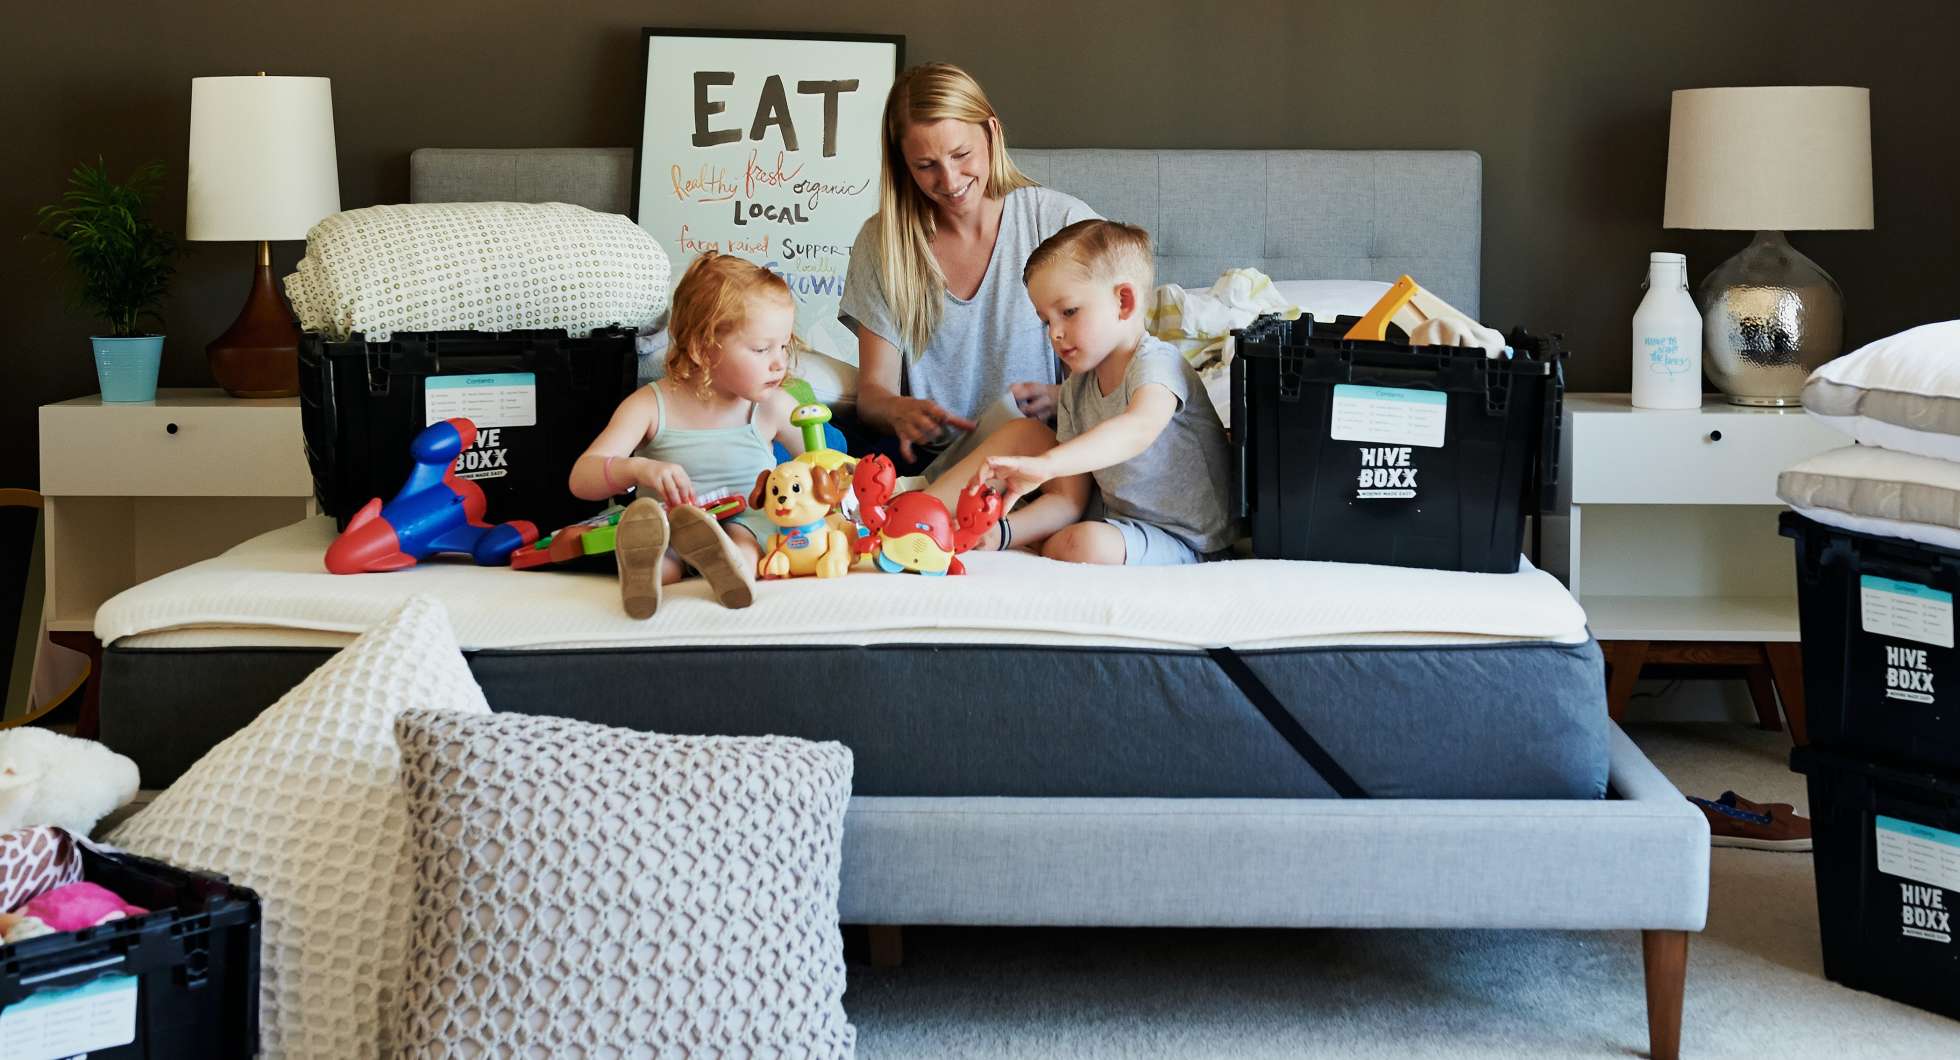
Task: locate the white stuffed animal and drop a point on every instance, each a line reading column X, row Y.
column 48, row 778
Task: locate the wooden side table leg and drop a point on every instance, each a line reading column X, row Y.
column 1623, row 662
column 1786, row 667
column 88, row 723
column 1762, row 692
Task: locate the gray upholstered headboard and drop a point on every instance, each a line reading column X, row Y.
column 1294, row 215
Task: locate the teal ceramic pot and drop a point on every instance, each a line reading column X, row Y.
column 126, row 369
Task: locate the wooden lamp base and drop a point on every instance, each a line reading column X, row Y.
column 258, row 356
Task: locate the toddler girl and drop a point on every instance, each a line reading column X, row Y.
column 700, row 432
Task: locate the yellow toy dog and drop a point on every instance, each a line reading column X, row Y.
column 797, row 496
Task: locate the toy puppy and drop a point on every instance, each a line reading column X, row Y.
column 798, row 497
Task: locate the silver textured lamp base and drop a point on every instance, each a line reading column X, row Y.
column 1770, row 317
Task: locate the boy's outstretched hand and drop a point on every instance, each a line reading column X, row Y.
column 1018, row 476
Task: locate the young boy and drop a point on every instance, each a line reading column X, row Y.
column 1132, row 414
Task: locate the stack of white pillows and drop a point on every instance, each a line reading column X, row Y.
column 1899, row 398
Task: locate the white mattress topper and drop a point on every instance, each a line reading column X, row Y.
column 273, row 589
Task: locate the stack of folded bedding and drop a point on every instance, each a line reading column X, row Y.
column 1899, row 399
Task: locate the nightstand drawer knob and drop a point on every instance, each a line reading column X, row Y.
column 1714, row 436
column 170, row 428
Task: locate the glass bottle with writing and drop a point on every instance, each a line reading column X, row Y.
column 1667, row 338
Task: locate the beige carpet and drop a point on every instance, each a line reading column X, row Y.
column 1755, row 976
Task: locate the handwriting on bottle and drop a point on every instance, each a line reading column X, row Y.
column 1664, row 355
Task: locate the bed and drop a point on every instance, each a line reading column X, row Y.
column 1170, row 786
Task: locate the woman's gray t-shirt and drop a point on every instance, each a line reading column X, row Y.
column 983, row 344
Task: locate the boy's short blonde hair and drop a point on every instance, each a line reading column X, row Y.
column 1099, row 250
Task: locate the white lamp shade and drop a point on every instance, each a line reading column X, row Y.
column 1770, row 159
column 262, row 158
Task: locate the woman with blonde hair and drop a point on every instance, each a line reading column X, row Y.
column 952, row 360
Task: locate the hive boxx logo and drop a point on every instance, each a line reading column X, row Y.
column 1386, row 472
column 1924, row 913
column 487, row 458
column 1908, row 676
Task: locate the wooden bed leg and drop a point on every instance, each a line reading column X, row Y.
column 1666, row 954
column 887, row 945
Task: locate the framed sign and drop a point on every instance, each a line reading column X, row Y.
column 765, row 145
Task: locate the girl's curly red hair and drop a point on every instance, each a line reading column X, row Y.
column 712, row 300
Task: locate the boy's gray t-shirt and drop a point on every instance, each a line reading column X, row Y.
column 983, row 344
column 1180, row 482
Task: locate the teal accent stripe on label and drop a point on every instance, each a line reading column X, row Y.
column 1887, row 585
column 108, row 984
column 1918, row 831
column 1387, row 393
column 457, row 382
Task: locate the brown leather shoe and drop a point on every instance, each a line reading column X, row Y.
column 1734, row 821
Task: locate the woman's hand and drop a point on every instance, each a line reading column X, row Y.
column 1018, row 476
column 669, row 481
column 916, row 420
column 1035, row 400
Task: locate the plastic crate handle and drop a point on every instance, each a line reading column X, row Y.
column 1551, row 438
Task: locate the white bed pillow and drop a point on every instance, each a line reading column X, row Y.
column 1878, row 491
column 1901, row 392
column 832, row 381
column 1327, row 299
column 305, row 806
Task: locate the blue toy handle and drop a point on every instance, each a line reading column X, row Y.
column 832, row 437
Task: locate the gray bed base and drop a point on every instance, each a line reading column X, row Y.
column 1637, row 861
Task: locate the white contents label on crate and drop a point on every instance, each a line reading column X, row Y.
column 1390, row 415
column 58, row 1023
column 1930, row 857
column 1906, row 610
column 499, row 399
column 1918, row 852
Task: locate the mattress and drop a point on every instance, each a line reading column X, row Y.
column 1024, row 678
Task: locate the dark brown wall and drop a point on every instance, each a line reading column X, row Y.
column 1566, row 99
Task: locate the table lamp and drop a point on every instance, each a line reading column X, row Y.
column 1769, row 160
column 261, row 168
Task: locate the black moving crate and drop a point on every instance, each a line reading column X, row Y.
column 1377, row 452
column 1880, row 674
column 1887, row 857
column 538, row 399
column 183, row 980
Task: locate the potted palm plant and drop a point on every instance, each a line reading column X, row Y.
column 122, row 263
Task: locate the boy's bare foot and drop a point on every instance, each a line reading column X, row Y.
column 639, row 544
column 707, row 548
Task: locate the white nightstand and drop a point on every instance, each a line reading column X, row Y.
column 1674, row 549
column 137, row 489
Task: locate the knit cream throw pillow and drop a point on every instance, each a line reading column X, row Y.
column 304, row 806
column 477, row 266
column 585, row 891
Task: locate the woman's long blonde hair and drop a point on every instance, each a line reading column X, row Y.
column 914, row 287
